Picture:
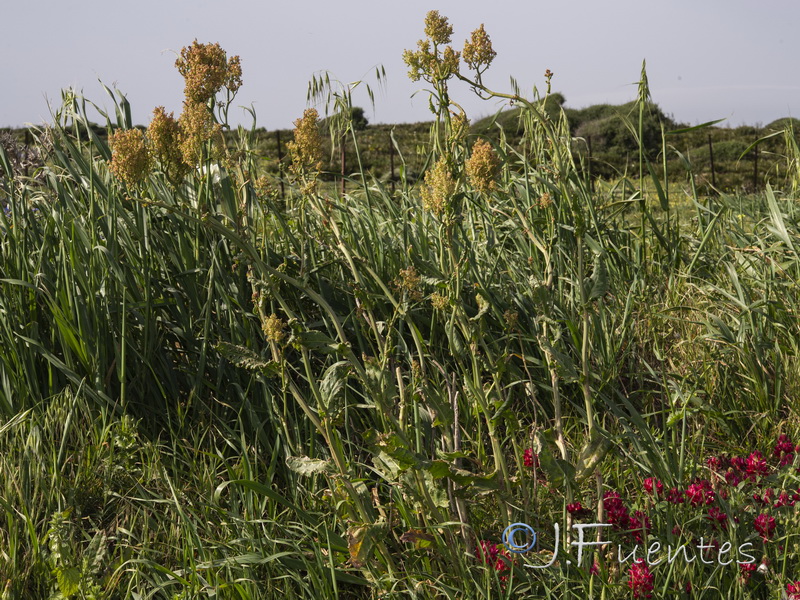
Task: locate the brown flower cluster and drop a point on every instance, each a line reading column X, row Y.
column 428, row 62
column 437, row 29
column 482, row 167
column 409, row 282
column 164, row 135
column 206, row 69
column 459, row 127
column 274, row 329
column 177, row 144
column 197, row 126
column 130, row 159
column 431, row 63
column 478, row 51
column 439, row 188
column 306, row 149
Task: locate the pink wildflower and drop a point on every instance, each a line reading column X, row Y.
column 616, row 512
column 577, row 509
column 765, row 525
column 700, row 492
column 530, row 459
column 784, row 450
column 640, row 580
column 717, row 517
column 675, row 496
column 793, row 590
column 756, row 466
column 639, row 524
column 653, row 485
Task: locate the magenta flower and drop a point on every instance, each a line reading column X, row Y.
column 616, row 512
column 717, row 517
column 653, row 485
column 756, row 466
column 530, row 459
column 747, row 570
column 639, row 524
column 784, row 450
column 577, row 509
column 793, row 590
column 700, row 492
column 675, row 496
column 640, row 580
column 489, row 552
column 765, row 525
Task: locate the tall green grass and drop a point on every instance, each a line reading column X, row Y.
column 210, row 391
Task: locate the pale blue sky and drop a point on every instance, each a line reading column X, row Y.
column 733, row 59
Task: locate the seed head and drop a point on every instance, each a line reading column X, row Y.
column 483, row 166
column 164, row 134
column 130, row 160
column 439, row 188
column 197, row 126
column 439, row 301
column 206, row 69
column 274, row 329
column 459, row 126
column 437, row 29
column 429, row 62
column 306, row 149
column 478, row 51
column 545, row 200
column 409, row 281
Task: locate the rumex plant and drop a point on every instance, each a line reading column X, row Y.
column 354, row 393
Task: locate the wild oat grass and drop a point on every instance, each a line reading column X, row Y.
column 211, row 391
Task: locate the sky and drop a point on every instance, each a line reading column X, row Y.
column 706, row 59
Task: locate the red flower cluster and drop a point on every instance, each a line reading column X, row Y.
column 493, row 555
column 530, row 459
column 784, row 450
column 639, row 524
column 700, row 492
column 765, row 525
column 747, row 570
column 793, row 590
column 640, row 580
column 616, row 511
column 718, row 518
column 653, row 485
column 675, row 496
column 577, row 509
column 756, row 466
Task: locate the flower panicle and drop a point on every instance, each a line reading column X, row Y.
column 478, row 53
column 130, row 158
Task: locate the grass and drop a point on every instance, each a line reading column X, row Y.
column 210, row 390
